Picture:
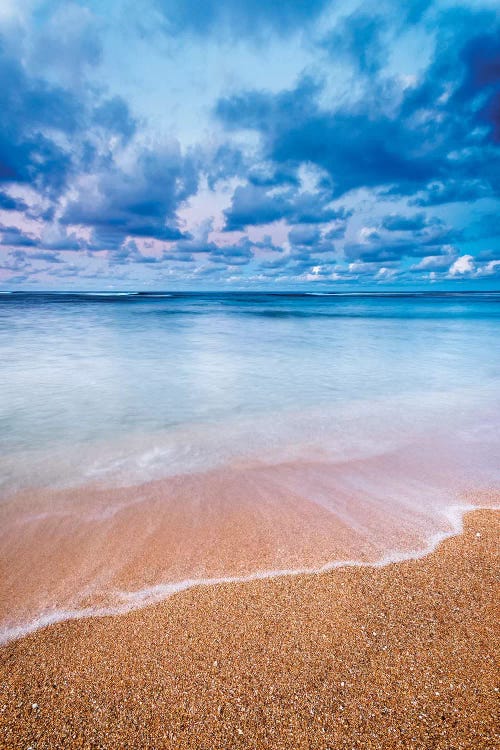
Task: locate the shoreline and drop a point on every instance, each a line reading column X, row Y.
column 198, row 668
column 97, row 551
column 161, row 592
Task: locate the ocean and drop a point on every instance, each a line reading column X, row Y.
column 154, row 441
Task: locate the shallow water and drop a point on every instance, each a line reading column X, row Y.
column 231, row 434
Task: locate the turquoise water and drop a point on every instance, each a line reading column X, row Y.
column 122, row 387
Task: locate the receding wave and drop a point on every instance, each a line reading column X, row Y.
column 140, row 598
column 100, row 548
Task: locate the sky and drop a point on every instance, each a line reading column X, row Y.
column 237, row 144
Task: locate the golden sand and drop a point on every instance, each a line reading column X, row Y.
column 394, row 657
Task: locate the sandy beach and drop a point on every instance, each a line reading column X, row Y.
column 396, row 657
column 249, row 375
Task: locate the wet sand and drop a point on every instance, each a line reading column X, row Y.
column 106, row 547
column 396, row 657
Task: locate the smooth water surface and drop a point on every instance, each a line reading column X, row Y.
column 100, row 384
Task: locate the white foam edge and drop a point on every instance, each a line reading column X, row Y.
column 134, row 600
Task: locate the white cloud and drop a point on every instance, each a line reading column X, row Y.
column 489, row 269
column 386, row 273
column 463, row 265
column 432, row 262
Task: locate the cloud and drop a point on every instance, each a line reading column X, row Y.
column 245, row 17
column 113, row 116
column 57, row 239
column 238, row 254
column 365, row 161
column 434, row 263
column 304, row 236
column 308, row 242
column 356, row 149
column 46, row 256
column 138, row 202
column 28, row 108
column 399, row 236
column 404, row 138
column 490, row 269
column 8, row 203
column 255, row 204
column 47, row 131
column 401, row 223
column 14, row 237
column 468, row 266
column 481, row 57
column 462, row 265
column 67, row 44
column 15, row 261
column 128, row 252
column 452, row 191
column 358, row 39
